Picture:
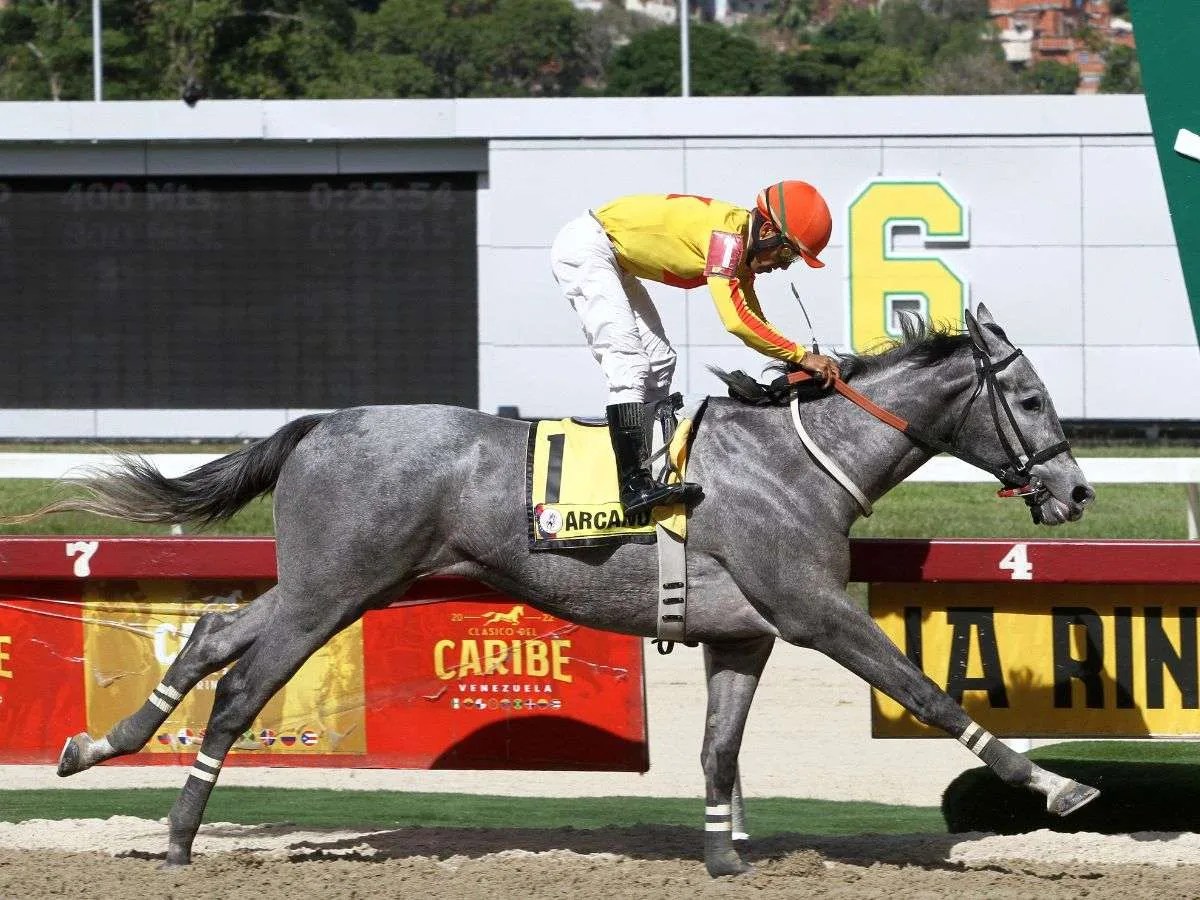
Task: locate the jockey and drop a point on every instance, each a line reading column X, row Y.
column 684, row 241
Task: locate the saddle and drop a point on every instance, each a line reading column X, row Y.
column 571, row 480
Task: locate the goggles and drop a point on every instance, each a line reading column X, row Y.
column 788, row 251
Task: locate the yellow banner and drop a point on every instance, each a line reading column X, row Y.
column 133, row 630
column 573, row 497
column 1048, row 660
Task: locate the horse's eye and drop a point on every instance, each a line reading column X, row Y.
column 1032, row 404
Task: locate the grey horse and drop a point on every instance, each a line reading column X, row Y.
column 369, row 499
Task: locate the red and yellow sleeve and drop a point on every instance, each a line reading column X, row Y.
column 742, row 315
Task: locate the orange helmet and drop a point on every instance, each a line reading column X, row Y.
column 800, row 213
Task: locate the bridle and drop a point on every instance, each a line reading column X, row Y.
column 1016, row 474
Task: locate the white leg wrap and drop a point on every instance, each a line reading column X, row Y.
column 975, row 738
column 206, row 768
column 169, row 692
column 165, row 698
column 718, row 818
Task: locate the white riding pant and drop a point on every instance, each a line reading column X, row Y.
column 619, row 320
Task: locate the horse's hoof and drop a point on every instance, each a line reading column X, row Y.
column 1070, row 797
column 71, row 759
column 725, row 863
column 177, row 858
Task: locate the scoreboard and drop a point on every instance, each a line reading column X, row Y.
column 238, row 292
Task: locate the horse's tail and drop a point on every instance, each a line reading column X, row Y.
column 135, row 490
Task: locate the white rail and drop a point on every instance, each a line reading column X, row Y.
column 1183, row 470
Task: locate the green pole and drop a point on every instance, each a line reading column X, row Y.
column 1168, row 43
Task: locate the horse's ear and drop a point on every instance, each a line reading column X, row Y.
column 983, row 318
column 975, row 331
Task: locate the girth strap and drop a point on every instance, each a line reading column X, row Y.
column 672, row 587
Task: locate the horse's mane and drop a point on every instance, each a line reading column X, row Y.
column 920, row 343
column 923, row 344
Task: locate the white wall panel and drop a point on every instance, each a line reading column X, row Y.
column 1061, row 370
column 735, row 171
column 47, row 423
column 540, row 189
column 1142, row 382
column 1124, row 201
column 519, row 302
column 1032, row 201
column 191, row 423
column 1018, row 192
column 1035, row 293
column 541, row 381
column 1135, row 295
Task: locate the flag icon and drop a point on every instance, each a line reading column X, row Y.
column 287, row 739
column 266, row 737
column 185, row 736
column 164, row 738
column 308, row 737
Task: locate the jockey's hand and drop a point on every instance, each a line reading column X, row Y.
column 823, row 369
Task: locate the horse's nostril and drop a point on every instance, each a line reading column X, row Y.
column 1083, row 494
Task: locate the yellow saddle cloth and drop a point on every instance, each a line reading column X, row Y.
column 571, row 488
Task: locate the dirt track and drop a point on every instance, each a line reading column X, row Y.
column 256, row 861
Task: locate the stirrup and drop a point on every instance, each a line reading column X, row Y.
column 640, row 500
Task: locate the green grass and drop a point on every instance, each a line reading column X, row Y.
column 918, row 510
column 21, row 495
column 365, row 809
column 925, row 510
column 1148, row 751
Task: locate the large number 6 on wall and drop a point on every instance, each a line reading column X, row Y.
column 883, row 280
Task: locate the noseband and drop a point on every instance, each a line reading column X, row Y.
column 1017, row 475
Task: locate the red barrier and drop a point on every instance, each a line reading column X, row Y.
column 1048, row 562
column 463, row 677
column 891, row 560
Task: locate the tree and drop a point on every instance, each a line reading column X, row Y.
column 531, row 47
column 277, row 48
column 907, row 25
column 793, row 15
column 977, row 73
column 46, row 50
column 852, row 25
column 485, row 48
column 888, row 70
column 1049, row 77
column 1122, row 75
column 722, row 64
column 605, row 30
column 812, row 73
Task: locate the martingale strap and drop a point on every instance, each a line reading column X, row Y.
column 826, row 462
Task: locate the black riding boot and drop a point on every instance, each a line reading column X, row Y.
column 640, row 492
